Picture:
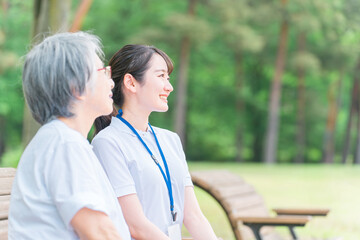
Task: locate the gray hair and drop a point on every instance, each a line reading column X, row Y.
column 56, row 70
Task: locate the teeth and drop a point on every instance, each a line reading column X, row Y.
column 163, row 97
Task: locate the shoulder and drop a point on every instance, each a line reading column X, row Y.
column 164, row 132
column 167, row 135
column 55, row 147
column 56, row 135
column 114, row 134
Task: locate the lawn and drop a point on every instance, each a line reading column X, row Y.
column 332, row 186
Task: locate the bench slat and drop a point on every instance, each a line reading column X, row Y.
column 256, row 210
column 234, row 190
column 4, row 229
column 6, row 179
column 4, row 206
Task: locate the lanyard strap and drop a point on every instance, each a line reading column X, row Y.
column 167, row 176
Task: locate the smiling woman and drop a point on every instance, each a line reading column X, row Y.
column 146, row 165
column 59, row 183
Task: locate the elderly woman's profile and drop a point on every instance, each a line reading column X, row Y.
column 60, row 190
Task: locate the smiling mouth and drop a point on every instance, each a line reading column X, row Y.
column 163, row 97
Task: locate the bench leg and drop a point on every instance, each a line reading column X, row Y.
column 292, row 232
column 256, row 231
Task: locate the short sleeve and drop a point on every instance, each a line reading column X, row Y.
column 187, row 179
column 73, row 181
column 114, row 163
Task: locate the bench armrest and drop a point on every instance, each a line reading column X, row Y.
column 256, row 223
column 302, row 212
column 276, row 221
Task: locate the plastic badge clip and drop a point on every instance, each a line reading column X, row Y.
column 154, row 158
column 174, row 215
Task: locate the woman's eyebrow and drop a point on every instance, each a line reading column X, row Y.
column 160, row 70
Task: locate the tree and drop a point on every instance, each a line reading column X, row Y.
column 352, row 110
column 305, row 21
column 274, row 103
column 7, row 60
column 182, row 81
column 82, row 11
column 353, row 26
column 356, row 104
column 51, row 17
column 240, row 36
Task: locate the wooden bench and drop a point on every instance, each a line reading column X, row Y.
column 246, row 209
column 243, row 206
column 6, row 178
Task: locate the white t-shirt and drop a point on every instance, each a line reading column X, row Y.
column 131, row 169
column 58, row 174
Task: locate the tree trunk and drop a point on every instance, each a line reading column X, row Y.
column 301, row 103
column 50, row 16
column 4, row 7
column 181, row 88
column 2, row 136
column 328, row 151
column 354, row 100
column 83, row 9
column 357, row 149
column 239, row 78
column 255, row 115
column 274, row 104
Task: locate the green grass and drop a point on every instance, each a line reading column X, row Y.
column 331, row 186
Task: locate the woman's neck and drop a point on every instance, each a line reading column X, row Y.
column 138, row 119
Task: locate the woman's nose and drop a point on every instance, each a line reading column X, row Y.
column 112, row 84
column 169, row 87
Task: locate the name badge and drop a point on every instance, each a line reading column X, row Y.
column 174, row 231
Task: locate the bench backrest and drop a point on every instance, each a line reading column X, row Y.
column 236, row 197
column 6, row 178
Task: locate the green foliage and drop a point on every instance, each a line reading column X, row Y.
column 196, row 29
column 307, row 61
column 11, row 157
column 15, row 26
column 220, row 31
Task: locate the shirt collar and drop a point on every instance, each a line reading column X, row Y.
column 119, row 125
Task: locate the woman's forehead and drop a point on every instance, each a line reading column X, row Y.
column 157, row 63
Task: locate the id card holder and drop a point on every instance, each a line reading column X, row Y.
column 174, row 231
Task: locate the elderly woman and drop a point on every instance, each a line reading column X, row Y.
column 60, row 190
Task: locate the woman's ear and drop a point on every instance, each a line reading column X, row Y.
column 130, row 82
column 79, row 96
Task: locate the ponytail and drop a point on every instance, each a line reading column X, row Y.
column 104, row 121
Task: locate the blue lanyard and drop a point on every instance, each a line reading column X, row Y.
column 167, row 177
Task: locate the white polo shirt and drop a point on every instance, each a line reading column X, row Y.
column 131, row 169
column 58, row 174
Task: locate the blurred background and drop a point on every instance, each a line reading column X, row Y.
column 266, row 88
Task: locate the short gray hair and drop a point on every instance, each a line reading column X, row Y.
column 56, row 69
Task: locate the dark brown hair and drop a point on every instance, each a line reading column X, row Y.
column 132, row 59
